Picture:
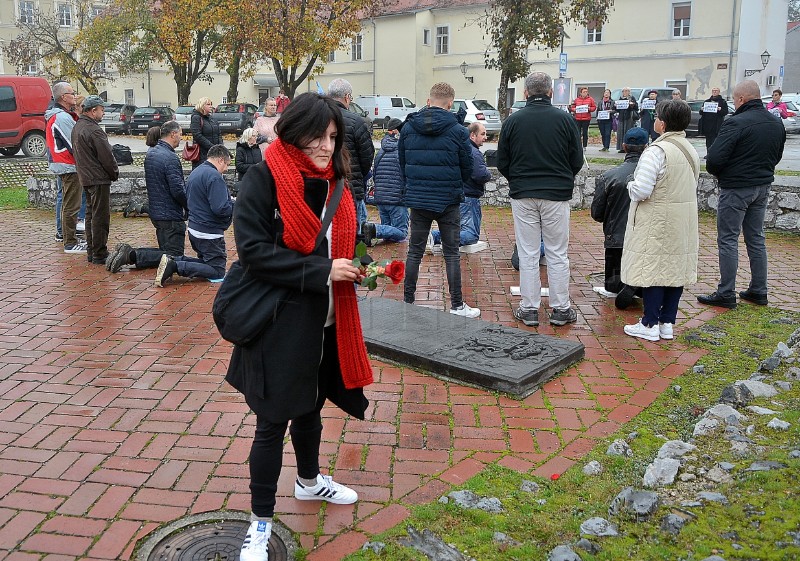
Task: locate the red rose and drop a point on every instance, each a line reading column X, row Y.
column 395, row 270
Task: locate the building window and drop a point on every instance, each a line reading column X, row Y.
column 594, row 32
column 31, row 65
column 26, row 14
column 100, row 68
column 426, row 37
column 355, row 48
column 442, row 39
column 681, row 18
column 96, row 11
column 64, row 13
column 331, row 56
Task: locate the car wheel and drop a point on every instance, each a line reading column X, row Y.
column 9, row 151
column 34, row 145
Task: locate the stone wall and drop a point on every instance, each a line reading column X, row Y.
column 783, row 210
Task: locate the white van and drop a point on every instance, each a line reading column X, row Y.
column 381, row 108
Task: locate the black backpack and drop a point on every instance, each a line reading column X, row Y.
column 122, row 154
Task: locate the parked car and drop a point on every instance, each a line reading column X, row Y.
column 479, row 110
column 517, row 105
column 183, row 114
column 360, row 111
column 235, row 117
column 23, row 101
column 117, row 117
column 381, row 108
column 146, row 117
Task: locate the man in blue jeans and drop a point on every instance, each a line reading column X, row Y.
column 388, row 191
column 474, row 187
column 743, row 157
column 210, row 214
column 435, row 159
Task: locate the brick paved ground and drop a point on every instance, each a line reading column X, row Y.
column 115, row 418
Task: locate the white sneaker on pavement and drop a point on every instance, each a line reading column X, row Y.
column 642, row 331
column 603, row 292
column 326, row 489
column 429, row 245
column 466, row 311
column 665, row 330
column 256, row 542
column 80, row 226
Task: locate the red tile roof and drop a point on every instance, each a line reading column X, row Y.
column 792, row 25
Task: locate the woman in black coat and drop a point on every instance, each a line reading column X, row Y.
column 205, row 130
column 313, row 348
column 248, row 153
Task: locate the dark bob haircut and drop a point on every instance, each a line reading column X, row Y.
column 307, row 118
column 675, row 114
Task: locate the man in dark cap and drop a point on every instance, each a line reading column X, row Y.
column 610, row 207
column 97, row 168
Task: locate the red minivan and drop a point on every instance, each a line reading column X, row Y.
column 23, row 101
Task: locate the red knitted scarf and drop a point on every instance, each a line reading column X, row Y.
column 289, row 165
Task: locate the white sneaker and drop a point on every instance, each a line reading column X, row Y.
column 642, row 332
column 326, row 489
column 603, row 292
column 665, row 330
column 256, row 542
column 466, row 311
column 429, row 245
column 80, row 226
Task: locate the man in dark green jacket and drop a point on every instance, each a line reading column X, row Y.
column 540, row 153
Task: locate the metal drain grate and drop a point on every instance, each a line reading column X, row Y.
column 212, row 541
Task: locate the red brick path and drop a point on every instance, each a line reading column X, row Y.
column 114, row 417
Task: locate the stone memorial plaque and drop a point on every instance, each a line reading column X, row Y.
column 468, row 351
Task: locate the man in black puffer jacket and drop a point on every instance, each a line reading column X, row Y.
column 743, row 157
column 166, row 198
column 358, row 139
column 610, row 207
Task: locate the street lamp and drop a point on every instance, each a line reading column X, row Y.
column 464, row 67
column 765, row 56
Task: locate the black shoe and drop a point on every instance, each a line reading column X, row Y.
column 119, row 257
column 624, row 297
column 369, row 232
column 166, row 268
column 758, row 299
column 714, row 299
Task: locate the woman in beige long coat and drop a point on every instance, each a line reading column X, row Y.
column 661, row 237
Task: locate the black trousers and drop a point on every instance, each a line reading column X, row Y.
column 266, row 454
column 584, row 128
column 614, row 269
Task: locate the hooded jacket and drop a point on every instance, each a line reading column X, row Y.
column 387, row 176
column 58, row 135
column 435, row 159
column 748, row 147
column 475, row 185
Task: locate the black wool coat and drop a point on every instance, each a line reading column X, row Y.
column 278, row 373
column 246, row 157
column 205, row 132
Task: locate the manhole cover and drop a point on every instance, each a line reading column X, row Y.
column 211, row 540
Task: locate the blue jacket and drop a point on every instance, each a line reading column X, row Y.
column 435, row 159
column 166, row 189
column 387, row 176
column 474, row 186
column 210, row 205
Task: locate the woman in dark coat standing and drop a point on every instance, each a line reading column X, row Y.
column 205, row 130
column 711, row 121
column 248, row 153
column 627, row 113
column 313, row 349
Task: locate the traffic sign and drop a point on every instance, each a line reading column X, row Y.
column 562, row 67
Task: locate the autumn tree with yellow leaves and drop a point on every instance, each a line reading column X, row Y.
column 297, row 35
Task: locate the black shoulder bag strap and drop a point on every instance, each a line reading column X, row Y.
column 330, row 210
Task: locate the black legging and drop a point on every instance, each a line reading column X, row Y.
column 266, row 454
column 584, row 128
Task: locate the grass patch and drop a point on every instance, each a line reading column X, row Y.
column 14, row 198
column 763, row 509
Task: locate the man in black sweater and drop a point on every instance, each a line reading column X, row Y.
column 540, row 152
column 743, row 157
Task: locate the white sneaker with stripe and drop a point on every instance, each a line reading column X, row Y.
column 326, row 489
